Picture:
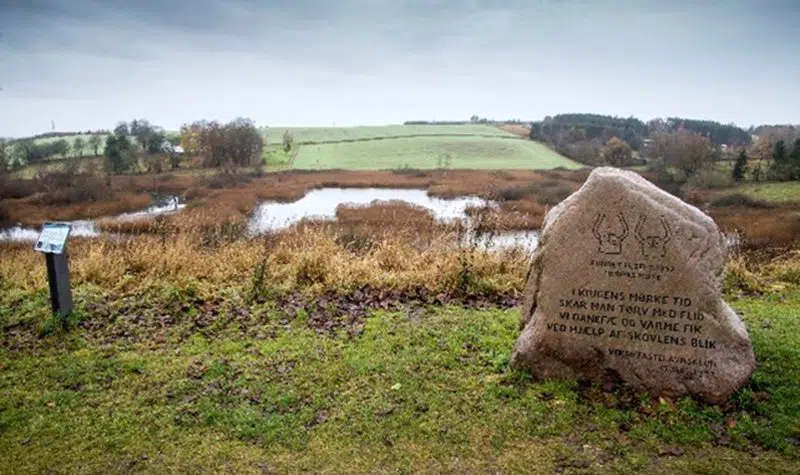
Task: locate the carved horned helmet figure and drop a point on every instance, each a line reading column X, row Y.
column 610, row 241
column 653, row 245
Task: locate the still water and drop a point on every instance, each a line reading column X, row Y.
column 322, row 204
column 86, row 228
column 319, row 204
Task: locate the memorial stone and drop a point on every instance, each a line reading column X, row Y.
column 625, row 286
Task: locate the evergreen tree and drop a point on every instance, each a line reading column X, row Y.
column 779, row 153
column 794, row 160
column 119, row 154
column 740, row 166
column 780, row 169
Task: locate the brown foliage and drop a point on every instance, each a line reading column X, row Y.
column 617, row 153
column 235, row 144
column 39, row 208
column 760, row 227
column 686, row 151
column 11, row 189
column 380, row 212
column 522, row 130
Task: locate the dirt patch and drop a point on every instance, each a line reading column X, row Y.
column 331, row 313
column 520, row 130
column 137, row 318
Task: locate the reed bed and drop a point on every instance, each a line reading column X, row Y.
column 307, row 258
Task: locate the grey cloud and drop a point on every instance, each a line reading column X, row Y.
column 305, row 61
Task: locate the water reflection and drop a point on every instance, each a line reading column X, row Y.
column 527, row 240
column 162, row 205
column 322, row 204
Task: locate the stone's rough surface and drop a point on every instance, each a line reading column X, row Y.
column 625, row 285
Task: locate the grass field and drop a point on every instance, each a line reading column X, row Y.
column 430, row 152
column 398, row 146
column 772, row 191
column 274, row 135
column 177, row 363
column 413, row 146
column 200, row 350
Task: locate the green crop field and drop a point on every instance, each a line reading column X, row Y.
column 274, row 135
column 477, row 152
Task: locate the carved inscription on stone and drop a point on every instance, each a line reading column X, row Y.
column 625, row 284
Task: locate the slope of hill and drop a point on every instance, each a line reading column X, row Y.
column 477, row 146
column 301, row 135
column 415, row 146
column 475, row 152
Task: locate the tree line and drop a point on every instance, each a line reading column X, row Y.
column 226, row 146
column 26, row 151
column 782, row 163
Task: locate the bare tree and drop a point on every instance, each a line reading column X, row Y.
column 686, row 151
column 227, row 146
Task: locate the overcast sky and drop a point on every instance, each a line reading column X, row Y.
column 91, row 63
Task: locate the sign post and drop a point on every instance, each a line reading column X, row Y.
column 53, row 243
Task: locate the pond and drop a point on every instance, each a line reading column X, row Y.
column 322, row 204
column 86, row 227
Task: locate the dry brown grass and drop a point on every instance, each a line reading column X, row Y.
column 232, row 202
column 521, row 130
column 35, row 210
column 759, row 227
column 311, row 259
column 381, row 213
column 510, row 215
column 166, row 183
column 523, row 196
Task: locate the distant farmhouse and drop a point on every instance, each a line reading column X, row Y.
column 167, row 147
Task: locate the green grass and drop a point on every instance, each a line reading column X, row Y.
column 87, row 150
column 412, row 146
column 414, row 393
column 429, row 152
column 274, row 135
column 772, row 191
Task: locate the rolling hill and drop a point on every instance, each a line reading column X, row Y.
column 414, row 146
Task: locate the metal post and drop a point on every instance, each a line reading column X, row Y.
column 58, row 279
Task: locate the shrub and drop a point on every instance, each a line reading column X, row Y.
column 226, row 180
column 411, row 172
column 712, row 178
column 4, row 217
column 787, row 268
column 517, row 193
column 738, row 277
column 10, row 189
column 546, row 192
column 740, row 199
column 64, row 188
column 552, row 195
